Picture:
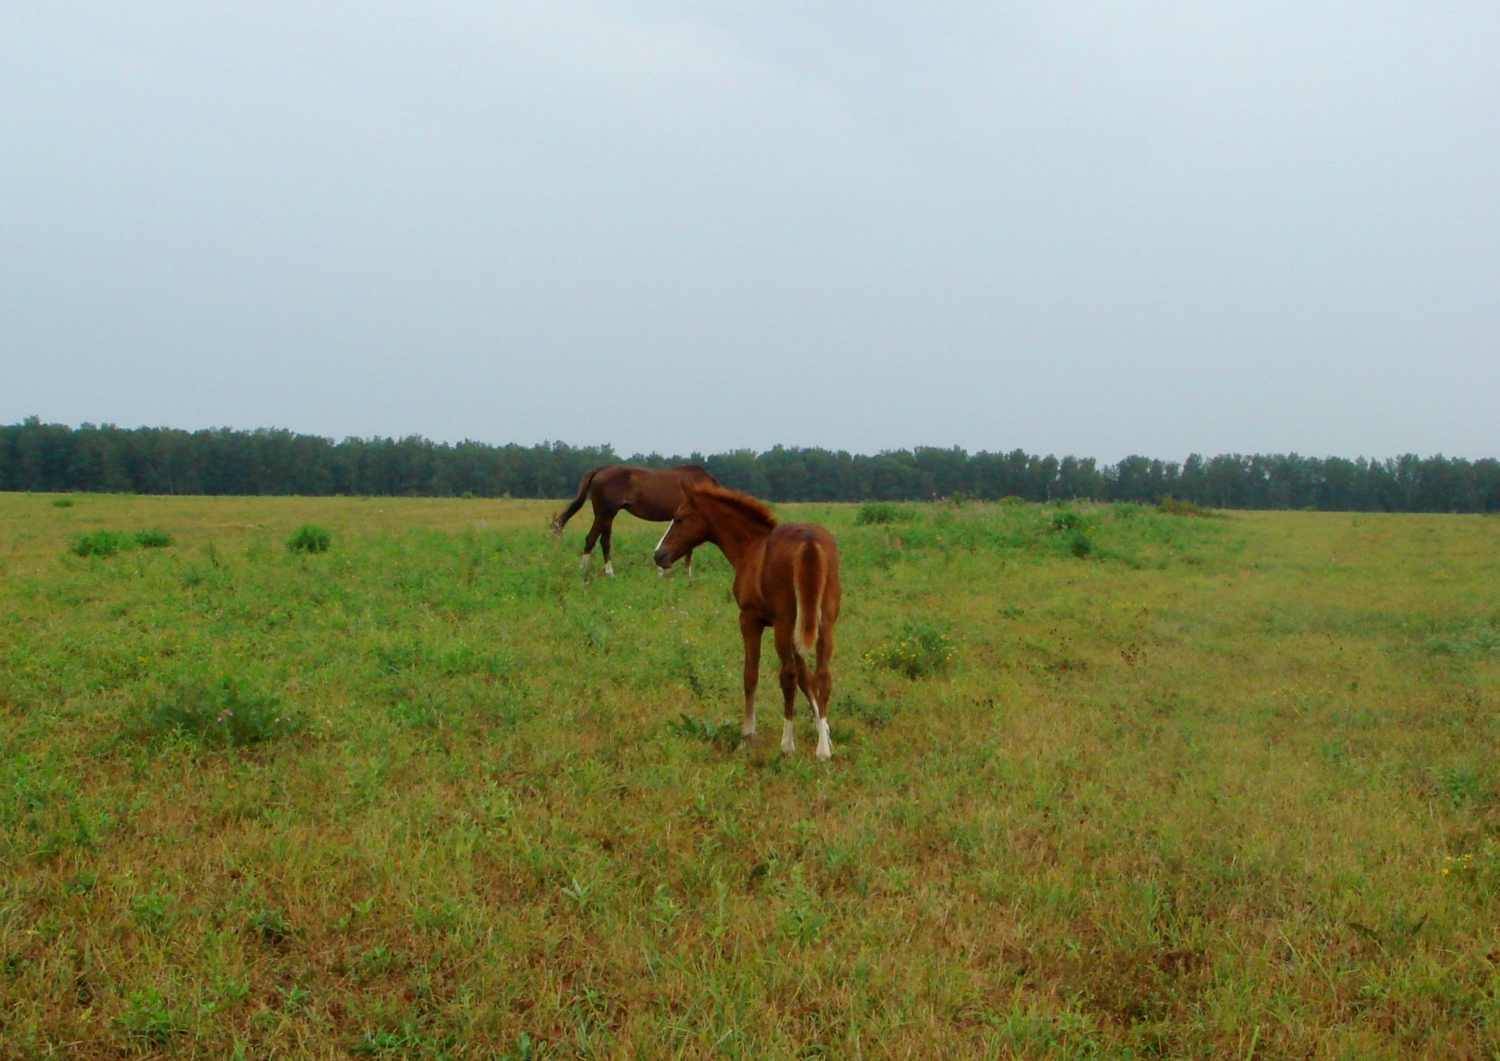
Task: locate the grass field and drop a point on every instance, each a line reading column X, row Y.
column 1218, row 788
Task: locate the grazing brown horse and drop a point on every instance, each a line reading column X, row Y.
column 786, row 576
column 646, row 493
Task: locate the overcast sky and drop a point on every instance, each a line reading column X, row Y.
column 1092, row 228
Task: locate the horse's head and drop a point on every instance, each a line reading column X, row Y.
column 687, row 531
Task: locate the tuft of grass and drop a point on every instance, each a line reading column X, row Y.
column 309, row 538
column 219, row 713
column 1479, row 639
column 101, row 543
column 149, row 1018
column 878, row 513
column 63, row 502
column 111, row 542
column 153, row 539
column 270, row 925
column 701, row 729
column 918, row 650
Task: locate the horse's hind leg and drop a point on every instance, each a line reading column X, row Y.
column 788, row 684
column 812, row 686
column 604, row 540
column 600, row 527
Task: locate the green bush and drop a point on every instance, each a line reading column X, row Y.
column 310, row 538
column 102, row 543
column 218, row 713
column 875, row 513
column 919, row 649
column 63, row 502
column 153, row 539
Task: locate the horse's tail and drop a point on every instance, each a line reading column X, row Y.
column 561, row 519
column 809, row 573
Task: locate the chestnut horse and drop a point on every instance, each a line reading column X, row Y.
column 786, row 576
column 646, row 493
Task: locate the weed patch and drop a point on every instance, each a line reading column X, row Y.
column 309, row 538
column 919, row 649
column 219, row 713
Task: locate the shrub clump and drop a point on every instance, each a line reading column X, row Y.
column 919, row 649
column 218, row 713
column 1076, row 532
column 63, row 502
column 1170, row 506
column 876, row 513
column 310, row 538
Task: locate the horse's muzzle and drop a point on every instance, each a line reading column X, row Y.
column 663, row 559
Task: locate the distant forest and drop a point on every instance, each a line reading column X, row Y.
column 152, row 460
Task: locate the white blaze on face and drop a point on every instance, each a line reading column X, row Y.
column 788, row 745
column 660, row 570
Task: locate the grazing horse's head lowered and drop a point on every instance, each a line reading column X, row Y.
column 647, row 493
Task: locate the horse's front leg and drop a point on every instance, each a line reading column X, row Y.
column 687, row 563
column 751, row 629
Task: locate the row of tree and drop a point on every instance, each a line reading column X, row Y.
column 148, row 460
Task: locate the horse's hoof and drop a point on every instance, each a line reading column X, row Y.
column 609, row 569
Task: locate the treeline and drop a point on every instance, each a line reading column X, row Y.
column 148, row 460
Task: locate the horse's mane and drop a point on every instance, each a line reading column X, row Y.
column 752, row 508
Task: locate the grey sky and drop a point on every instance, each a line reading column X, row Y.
column 1096, row 228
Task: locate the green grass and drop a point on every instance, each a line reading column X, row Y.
column 1208, row 788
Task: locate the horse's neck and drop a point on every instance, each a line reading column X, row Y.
column 738, row 537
